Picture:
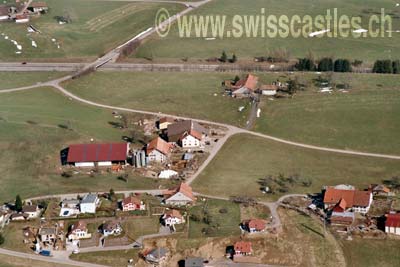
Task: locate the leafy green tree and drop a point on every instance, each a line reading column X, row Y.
column 18, row 203
column 234, row 58
column 223, row 57
column 1, row 239
column 325, row 64
column 396, row 66
column 111, row 194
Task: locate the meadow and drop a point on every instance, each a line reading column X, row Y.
column 19, row 79
column 244, row 160
column 193, row 48
column 95, row 27
column 32, row 133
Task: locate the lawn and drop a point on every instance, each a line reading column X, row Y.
column 196, row 95
column 139, row 226
column 366, row 252
column 115, row 258
column 19, row 79
column 31, row 139
column 244, row 160
column 96, row 27
column 193, row 48
column 223, row 219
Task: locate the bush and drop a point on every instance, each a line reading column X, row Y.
column 223, row 210
column 342, row 65
column 1, row 239
column 325, row 64
column 305, row 64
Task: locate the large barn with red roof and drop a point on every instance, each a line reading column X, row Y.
column 91, row 155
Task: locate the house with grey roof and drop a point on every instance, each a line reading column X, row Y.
column 89, row 203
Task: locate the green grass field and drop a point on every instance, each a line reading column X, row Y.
column 221, row 224
column 115, row 258
column 366, row 49
column 185, row 94
column 7, row 261
column 244, row 160
column 365, row 118
column 31, row 140
column 365, row 252
column 19, row 79
column 95, row 28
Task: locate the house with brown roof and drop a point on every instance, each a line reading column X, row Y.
column 254, row 225
column 243, row 248
column 179, row 196
column 21, row 18
column 392, row 223
column 172, row 217
column 158, row 150
column 164, row 122
column 33, row 211
column 4, row 12
column 78, row 231
column 111, row 228
column 269, row 89
column 38, row 7
column 132, row 203
column 186, row 133
column 352, row 199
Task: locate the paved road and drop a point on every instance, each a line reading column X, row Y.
column 55, row 260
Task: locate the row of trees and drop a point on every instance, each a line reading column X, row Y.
column 224, row 58
column 325, row 64
column 387, row 66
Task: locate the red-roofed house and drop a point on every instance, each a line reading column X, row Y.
column 355, row 200
column 90, row 155
column 392, row 224
column 254, row 225
column 78, row 231
column 172, row 217
column 245, row 87
column 187, row 133
column 179, row 196
column 243, row 248
column 158, row 150
column 132, row 203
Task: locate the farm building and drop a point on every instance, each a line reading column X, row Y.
column 23, row 18
column 38, row 7
column 164, row 122
column 243, row 87
column 269, row 89
column 179, row 196
column 187, row 133
column 91, row 155
column 392, row 224
column 4, row 12
column 355, row 200
column 158, row 150
column 132, row 203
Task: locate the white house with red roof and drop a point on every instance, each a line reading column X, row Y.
column 172, row 217
column 392, row 223
column 91, row 155
column 132, row 203
column 158, row 150
column 254, row 225
column 79, row 231
column 179, row 196
column 243, row 248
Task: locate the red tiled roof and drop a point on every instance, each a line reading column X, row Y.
column 257, row 224
column 243, row 246
column 167, row 119
column 271, row 87
column 393, row 220
column 173, row 213
column 160, row 145
column 182, row 188
column 251, row 82
column 351, row 197
column 340, row 206
column 38, row 4
column 79, row 225
column 131, row 199
column 97, row 152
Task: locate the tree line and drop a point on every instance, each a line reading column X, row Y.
column 387, row 66
column 324, row 64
